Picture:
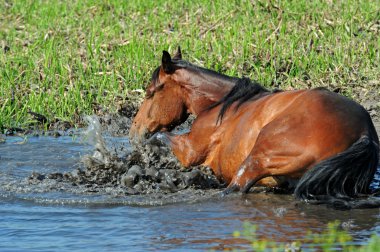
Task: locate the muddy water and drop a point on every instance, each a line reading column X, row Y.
column 43, row 208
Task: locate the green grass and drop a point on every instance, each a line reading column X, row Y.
column 69, row 58
column 333, row 238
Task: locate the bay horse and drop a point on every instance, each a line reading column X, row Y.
column 192, row 90
column 321, row 142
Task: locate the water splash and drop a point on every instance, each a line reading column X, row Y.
column 108, row 171
column 93, row 135
column 143, row 169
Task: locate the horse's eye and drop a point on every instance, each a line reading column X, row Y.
column 148, row 94
column 152, row 90
column 159, row 87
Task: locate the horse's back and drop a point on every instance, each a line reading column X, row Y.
column 326, row 123
column 316, row 123
column 337, row 114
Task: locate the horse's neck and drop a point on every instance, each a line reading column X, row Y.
column 215, row 88
column 204, row 90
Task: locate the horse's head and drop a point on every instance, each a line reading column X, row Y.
column 164, row 105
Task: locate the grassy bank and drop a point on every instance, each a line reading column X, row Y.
column 63, row 59
column 334, row 238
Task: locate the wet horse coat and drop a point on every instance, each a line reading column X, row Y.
column 322, row 138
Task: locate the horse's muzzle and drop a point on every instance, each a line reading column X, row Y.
column 138, row 135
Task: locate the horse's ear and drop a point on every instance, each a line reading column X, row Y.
column 178, row 54
column 167, row 63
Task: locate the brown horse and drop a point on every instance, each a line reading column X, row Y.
column 177, row 90
column 323, row 141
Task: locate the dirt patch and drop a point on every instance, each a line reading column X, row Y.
column 371, row 102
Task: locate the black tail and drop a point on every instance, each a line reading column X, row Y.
column 340, row 180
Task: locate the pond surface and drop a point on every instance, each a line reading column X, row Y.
column 49, row 217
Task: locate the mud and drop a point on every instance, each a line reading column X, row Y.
column 143, row 169
column 371, row 102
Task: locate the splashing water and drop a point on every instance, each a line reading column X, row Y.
column 144, row 169
column 93, row 135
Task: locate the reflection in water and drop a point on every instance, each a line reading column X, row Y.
column 46, row 220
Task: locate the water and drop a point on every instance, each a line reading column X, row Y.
column 58, row 217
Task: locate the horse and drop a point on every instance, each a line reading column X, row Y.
column 188, row 89
column 322, row 144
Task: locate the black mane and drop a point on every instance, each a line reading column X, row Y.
column 177, row 64
column 243, row 91
column 194, row 68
